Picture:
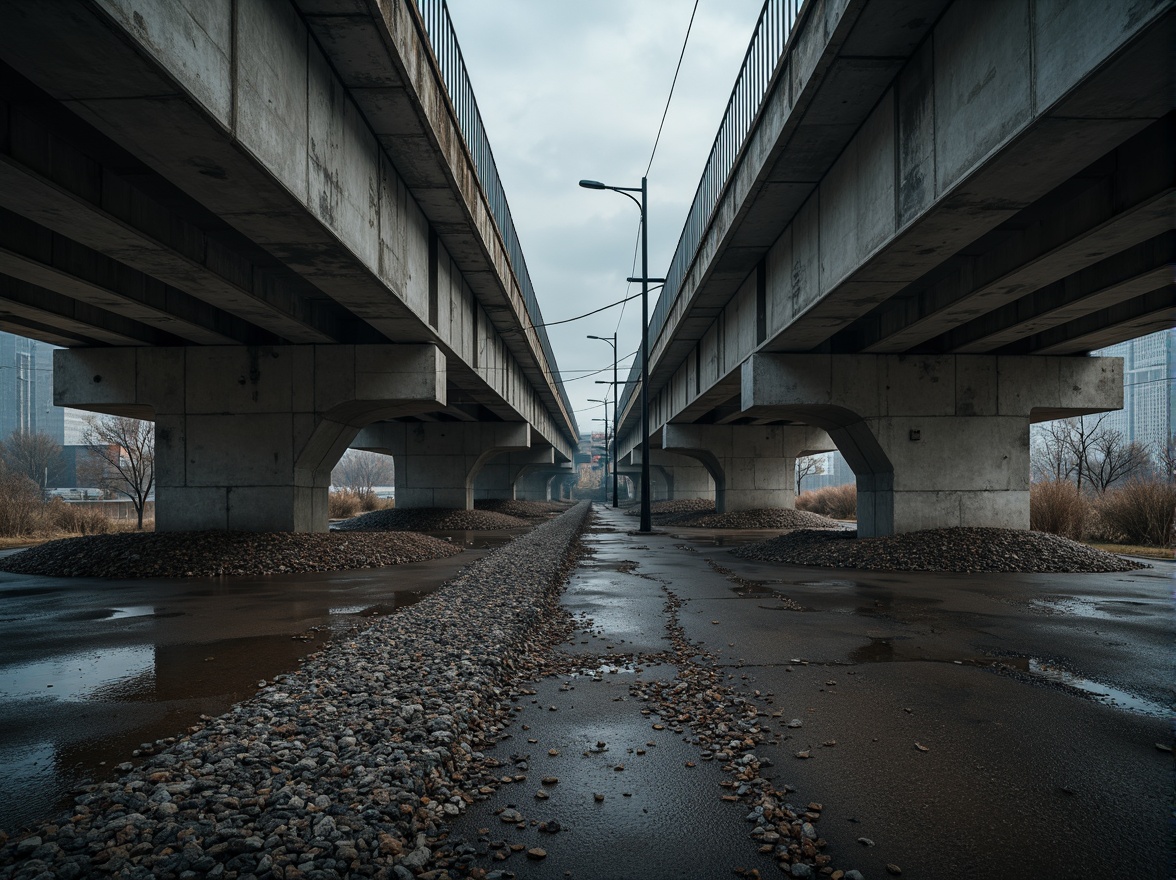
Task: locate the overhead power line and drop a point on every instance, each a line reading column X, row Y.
column 670, row 96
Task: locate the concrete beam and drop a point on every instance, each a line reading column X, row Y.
column 752, row 466
column 500, row 475
column 934, row 441
column 437, row 462
column 245, row 437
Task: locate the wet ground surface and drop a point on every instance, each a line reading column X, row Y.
column 966, row 725
column 92, row 668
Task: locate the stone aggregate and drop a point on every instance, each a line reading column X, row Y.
column 961, row 549
column 522, row 509
column 349, row 767
column 430, row 519
column 204, row 554
column 759, row 518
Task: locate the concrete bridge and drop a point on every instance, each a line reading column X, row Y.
column 918, row 218
column 268, row 226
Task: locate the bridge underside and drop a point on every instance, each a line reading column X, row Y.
column 927, row 206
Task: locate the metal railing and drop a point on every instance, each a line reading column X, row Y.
column 442, row 39
column 764, row 53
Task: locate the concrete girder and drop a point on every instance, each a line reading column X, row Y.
column 540, row 483
column 752, row 466
column 246, row 436
column 437, row 462
column 685, row 476
column 935, row 441
column 500, row 475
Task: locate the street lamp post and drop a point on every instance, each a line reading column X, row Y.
column 606, row 457
column 616, row 415
column 643, row 205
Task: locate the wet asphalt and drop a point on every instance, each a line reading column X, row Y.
column 91, row 668
column 1044, row 765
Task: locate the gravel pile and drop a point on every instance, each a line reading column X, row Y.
column 955, row 549
column 349, row 767
column 668, row 508
column 431, row 519
column 204, row 554
column 521, row 509
column 760, row 518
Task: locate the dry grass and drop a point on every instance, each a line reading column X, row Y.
column 1141, row 512
column 346, row 503
column 835, row 502
column 1058, row 508
column 25, row 518
column 1136, row 550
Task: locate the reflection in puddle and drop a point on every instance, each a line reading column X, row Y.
column 132, row 611
column 80, row 676
column 883, row 651
column 1097, row 609
column 347, row 609
column 605, row 669
column 1102, row 693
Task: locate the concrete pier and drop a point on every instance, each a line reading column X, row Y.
column 246, row 436
column 752, row 467
column 934, row 441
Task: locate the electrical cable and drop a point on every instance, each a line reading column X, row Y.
column 670, row 96
column 587, row 314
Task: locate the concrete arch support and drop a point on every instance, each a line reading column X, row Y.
column 935, row 441
column 683, row 475
column 500, row 477
column 752, row 466
column 246, row 436
column 437, row 462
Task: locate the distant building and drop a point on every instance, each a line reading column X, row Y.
column 26, row 389
column 26, row 393
column 1149, row 388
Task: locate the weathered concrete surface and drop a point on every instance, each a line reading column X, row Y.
column 752, row 466
column 437, row 463
column 246, row 436
column 934, row 441
column 1022, row 777
column 682, row 476
column 500, row 476
column 935, row 177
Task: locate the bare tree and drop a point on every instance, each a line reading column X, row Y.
column 361, row 471
column 1068, row 448
column 1166, row 460
column 1112, row 458
column 36, row 456
column 122, row 457
column 806, row 465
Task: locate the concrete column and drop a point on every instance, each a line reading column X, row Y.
column 436, row 462
column 935, row 441
column 684, row 476
column 245, row 437
column 500, row 475
column 542, row 483
column 661, row 479
column 752, row 466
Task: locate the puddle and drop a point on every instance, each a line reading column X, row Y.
column 80, row 676
column 882, row 650
column 1101, row 693
column 605, row 669
column 347, row 609
column 132, row 611
column 1110, row 609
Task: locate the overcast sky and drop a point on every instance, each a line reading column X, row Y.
column 572, row 89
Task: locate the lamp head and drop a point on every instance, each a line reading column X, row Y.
column 592, row 184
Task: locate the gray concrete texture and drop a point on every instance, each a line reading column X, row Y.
column 246, row 437
column 294, row 142
column 934, row 441
column 895, row 140
column 438, row 463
